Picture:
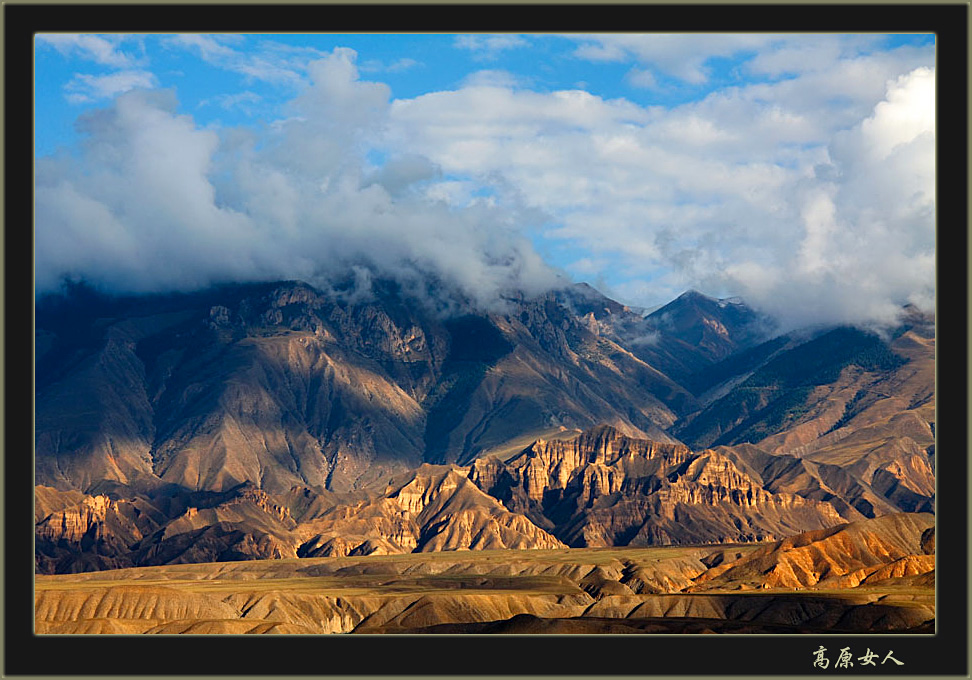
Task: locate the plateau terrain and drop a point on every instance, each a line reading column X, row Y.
column 875, row 575
column 282, row 458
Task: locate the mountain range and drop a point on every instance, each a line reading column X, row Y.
column 282, row 420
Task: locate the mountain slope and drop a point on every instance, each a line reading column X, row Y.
column 849, row 413
column 283, row 384
column 847, row 555
column 604, row 488
column 680, row 339
column 277, row 419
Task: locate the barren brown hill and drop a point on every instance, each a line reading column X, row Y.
column 100, row 532
column 600, row 488
column 869, row 551
column 436, row 507
column 427, row 509
column 48, row 500
column 604, row 488
column 847, row 417
column 277, row 420
column 520, row 591
column 283, row 384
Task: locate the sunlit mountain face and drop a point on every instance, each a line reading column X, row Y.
column 313, row 307
column 585, row 422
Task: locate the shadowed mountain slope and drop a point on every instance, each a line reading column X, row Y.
column 681, row 339
column 282, row 384
column 278, row 420
column 604, row 488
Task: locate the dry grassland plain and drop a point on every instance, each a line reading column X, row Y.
column 600, row 590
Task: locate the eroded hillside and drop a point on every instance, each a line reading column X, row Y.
column 731, row 588
column 274, row 421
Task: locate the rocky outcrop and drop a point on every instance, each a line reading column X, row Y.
column 48, row 500
column 435, row 508
column 604, row 488
column 600, row 488
column 844, row 556
column 96, row 533
column 283, row 385
column 102, row 533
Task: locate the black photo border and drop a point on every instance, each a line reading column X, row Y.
column 941, row 654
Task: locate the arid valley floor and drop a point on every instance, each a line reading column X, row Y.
column 730, row 589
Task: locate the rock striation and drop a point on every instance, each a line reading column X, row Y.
column 282, row 420
column 604, row 488
column 844, row 556
column 284, row 384
column 435, row 508
column 599, row 590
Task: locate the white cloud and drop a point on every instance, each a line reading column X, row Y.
column 402, row 64
column 241, row 100
column 101, row 49
column 152, row 202
column 493, row 78
column 808, row 53
column 868, row 223
column 270, row 63
column 811, row 196
column 774, row 191
column 641, row 77
column 681, row 56
column 488, row 46
column 85, row 88
column 398, row 66
column 907, row 113
column 211, row 48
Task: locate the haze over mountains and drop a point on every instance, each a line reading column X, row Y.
column 279, row 420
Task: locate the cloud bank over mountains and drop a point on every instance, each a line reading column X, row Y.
column 807, row 187
column 151, row 202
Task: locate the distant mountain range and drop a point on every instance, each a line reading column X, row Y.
column 276, row 419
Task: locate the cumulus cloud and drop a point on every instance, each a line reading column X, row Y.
column 810, row 196
column 864, row 242
column 809, row 192
column 152, row 202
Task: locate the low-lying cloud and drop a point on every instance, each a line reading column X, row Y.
column 811, row 196
column 150, row 202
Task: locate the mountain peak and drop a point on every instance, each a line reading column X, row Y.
column 718, row 326
column 692, row 294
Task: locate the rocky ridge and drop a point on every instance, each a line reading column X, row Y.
column 283, row 385
column 279, row 420
column 599, row 489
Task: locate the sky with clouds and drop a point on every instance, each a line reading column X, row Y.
column 794, row 171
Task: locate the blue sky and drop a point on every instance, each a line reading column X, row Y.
column 794, row 170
